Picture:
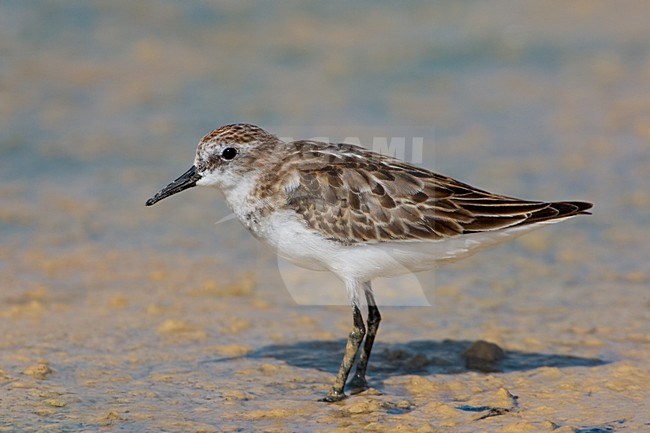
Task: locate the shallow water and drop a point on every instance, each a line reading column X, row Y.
column 117, row 317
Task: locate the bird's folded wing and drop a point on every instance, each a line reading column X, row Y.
column 352, row 199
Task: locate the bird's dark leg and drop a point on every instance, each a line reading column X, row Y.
column 358, row 382
column 351, row 349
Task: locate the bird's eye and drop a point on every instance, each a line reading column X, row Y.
column 229, row 153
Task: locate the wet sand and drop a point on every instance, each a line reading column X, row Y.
column 117, row 317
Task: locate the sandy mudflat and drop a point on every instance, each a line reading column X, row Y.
column 117, row 317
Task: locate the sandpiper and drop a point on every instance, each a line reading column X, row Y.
column 355, row 213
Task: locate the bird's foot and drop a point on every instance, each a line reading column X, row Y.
column 334, row 396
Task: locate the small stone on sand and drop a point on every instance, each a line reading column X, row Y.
column 483, row 356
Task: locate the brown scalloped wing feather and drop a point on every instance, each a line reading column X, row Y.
column 352, row 195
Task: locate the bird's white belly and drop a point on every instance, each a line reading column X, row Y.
column 293, row 241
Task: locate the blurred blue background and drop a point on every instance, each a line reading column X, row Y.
column 102, row 103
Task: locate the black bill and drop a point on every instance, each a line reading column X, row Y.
column 185, row 181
